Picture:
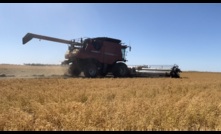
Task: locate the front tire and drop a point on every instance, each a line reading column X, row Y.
column 120, row 70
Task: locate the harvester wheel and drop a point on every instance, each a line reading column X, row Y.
column 74, row 71
column 120, row 70
column 90, row 70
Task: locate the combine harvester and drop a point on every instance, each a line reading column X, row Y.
column 97, row 57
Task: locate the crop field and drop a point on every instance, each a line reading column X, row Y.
column 192, row 102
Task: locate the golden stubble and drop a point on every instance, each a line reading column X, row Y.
column 190, row 103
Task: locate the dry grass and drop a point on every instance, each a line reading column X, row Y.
column 190, row 103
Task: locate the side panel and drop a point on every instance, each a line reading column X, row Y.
column 107, row 53
column 111, row 52
column 91, row 52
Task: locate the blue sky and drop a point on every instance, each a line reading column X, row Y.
column 186, row 34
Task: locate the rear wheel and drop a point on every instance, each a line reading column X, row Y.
column 120, row 70
column 74, row 70
column 90, row 70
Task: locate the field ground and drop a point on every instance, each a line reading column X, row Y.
column 40, row 98
column 27, row 71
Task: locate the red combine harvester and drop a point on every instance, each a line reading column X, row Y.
column 101, row 56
